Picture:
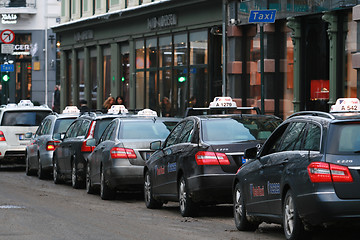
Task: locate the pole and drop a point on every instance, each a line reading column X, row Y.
column 46, row 54
column 224, row 48
column 262, row 66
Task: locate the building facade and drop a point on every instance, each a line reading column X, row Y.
column 148, row 50
column 32, row 51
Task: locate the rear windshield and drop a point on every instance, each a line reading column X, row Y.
column 238, row 130
column 146, row 129
column 344, row 139
column 100, row 126
column 23, row 118
column 61, row 125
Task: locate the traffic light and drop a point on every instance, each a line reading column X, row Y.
column 181, row 79
column 5, row 77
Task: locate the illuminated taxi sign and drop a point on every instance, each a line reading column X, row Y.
column 346, row 105
column 223, row 102
column 147, row 112
column 25, row 103
column 116, row 109
column 71, row 110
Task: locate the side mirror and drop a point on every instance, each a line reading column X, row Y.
column 58, row 136
column 251, row 153
column 28, row 135
column 91, row 142
column 156, row 145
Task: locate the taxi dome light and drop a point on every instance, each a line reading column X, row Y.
column 223, row 102
column 25, row 103
column 346, row 105
column 71, row 109
column 147, row 112
column 116, row 109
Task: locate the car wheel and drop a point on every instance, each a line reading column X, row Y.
column 89, row 188
column 40, row 172
column 293, row 226
column 75, row 183
column 28, row 170
column 187, row 207
column 106, row 193
column 56, row 175
column 150, row 201
column 241, row 222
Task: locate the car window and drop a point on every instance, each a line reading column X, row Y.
column 293, row 137
column 344, row 139
column 100, row 126
column 174, row 134
column 109, row 132
column 186, row 133
column 83, row 128
column 47, row 127
column 73, row 129
column 23, row 118
column 62, row 124
column 144, row 129
column 38, row 131
column 312, row 139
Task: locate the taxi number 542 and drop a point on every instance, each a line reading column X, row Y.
column 224, row 104
column 349, row 108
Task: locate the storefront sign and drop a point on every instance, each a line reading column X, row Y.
column 8, row 18
column 21, row 49
column 7, row 48
column 164, row 21
column 84, row 35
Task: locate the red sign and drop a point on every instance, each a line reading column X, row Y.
column 7, row 36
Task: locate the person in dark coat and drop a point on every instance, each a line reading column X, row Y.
column 56, row 102
column 83, row 106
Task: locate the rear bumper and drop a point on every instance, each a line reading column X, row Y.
column 123, row 177
column 211, row 188
column 12, row 154
column 326, row 208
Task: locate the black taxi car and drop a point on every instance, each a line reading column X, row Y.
column 306, row 174
column 197, row 162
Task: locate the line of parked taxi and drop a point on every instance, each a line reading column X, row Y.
column 301, row 173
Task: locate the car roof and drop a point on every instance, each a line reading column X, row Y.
column 325, row 117
column 253, row 116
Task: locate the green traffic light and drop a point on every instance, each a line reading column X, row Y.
column 5, row 78
column 182, row 79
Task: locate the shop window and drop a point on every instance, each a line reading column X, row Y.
column 151, row 53
column 350, row 81
column 151, row 89
column 180, row 49
column 80, row 75
column 199, row 87
column 140, row 54
column 93, row 78
column 165, row 52
column 198, row 47
column 107, row 72
column 140, row 90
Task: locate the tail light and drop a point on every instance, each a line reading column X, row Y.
column 86, row 148
column 2, row 137
column 126, row 153
column 211, row 158
column 327, row 172
column 52, row 145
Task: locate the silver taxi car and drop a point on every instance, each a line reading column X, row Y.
column 15, row 121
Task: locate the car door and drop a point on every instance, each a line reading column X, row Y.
column 288, row 152
column 42, row 140
column 181, row 152
column 34, row 144
column 160, row 181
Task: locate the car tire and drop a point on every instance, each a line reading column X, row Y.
column 293, row 226
column 150, row 201
column 75, row 182
column 241, row 222
column 28, row 170
column 56, row 174
column 40, row 172
column 89, row 187
column 187, row 207
column 106, row 193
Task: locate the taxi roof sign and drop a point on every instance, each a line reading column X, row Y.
column 346, row 105
column 25, row 103
column 147, row 112
column 223, row 102
column 71, row 110
column 117, row 109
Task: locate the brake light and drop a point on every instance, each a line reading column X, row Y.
column 126, row 153
column 211, row 158
column 327, row 172
column 2, row 137
column 85, row 148
column 52, row 145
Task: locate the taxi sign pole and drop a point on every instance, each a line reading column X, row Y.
column 262, row 67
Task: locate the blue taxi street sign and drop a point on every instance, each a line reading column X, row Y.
column 7, row 67
column 262, row 16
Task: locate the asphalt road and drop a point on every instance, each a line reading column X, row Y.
column 34, row 209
